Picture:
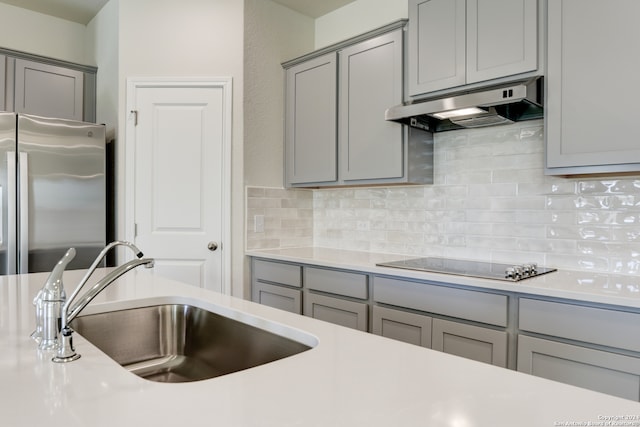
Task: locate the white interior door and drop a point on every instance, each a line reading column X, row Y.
column 179, row 135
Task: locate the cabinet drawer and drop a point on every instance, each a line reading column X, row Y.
column 464, row 304
column 277, row 297
column 601, row 371
column 277, row 272
column 338, row 311
column 337, row 282
column 594, row 325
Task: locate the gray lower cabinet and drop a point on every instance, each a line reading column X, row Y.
column 348, row 284
column 591, row 347
column 402, row 326
column 470, row 341
column 462, row 339
column 475, row 306
column 335, row 304
column 278, row 297
column 602, row 371
column 277, row 285
column 339, row 311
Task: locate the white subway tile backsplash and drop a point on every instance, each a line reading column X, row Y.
column 490, row 201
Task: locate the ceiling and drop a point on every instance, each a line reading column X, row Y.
column 82, row 11
column 314, row 8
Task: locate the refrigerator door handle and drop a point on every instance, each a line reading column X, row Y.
column 12, row 212
column 24, row 212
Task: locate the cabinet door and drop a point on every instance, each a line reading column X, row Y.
column 310, row 121
column 48, row 90
column 590, row 107
column 370, row 82
column 473, row 342
column 277, row 297
column 502, row 38
column 338, row 311
column 402, row 326
column 437, row 38
column 601, row 371
column 3, row 85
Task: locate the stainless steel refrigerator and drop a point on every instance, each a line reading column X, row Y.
column 52, row 191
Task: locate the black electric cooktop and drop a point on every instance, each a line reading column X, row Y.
column 484, row 270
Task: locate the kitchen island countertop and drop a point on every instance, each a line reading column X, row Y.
column 349, row 379
column 586, row 286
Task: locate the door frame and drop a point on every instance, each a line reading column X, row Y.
column 226, row 84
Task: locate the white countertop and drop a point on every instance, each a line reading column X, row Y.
column 583, row 286
column 349, row 379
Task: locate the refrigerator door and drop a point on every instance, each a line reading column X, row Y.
column 8, row 193
column 61, row 190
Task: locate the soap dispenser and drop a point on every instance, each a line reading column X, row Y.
column 49, row 302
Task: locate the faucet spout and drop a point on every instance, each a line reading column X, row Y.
column 72, row 312
column 66, row 351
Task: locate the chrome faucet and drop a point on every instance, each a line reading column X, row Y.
column 66, row 352
column 49, row 302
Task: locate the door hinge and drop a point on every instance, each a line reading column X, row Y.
column 135, row 230
column 135, row 117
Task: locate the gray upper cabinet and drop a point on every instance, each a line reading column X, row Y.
column 311, row 112
column 371, row 82
column 335, row 131
column 458, row 42
column 437, row 45
column 590, row 101
column 47, row 87
column 48, row 90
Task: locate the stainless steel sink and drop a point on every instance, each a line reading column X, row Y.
column 180, row 343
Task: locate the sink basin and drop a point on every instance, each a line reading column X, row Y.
column 180, row 342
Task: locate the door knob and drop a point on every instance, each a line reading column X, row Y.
column 212, row 246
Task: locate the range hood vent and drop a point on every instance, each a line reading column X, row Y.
column 487, row 107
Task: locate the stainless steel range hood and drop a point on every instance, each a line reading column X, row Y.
column 487, row 107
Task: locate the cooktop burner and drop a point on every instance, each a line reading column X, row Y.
column 484, row 270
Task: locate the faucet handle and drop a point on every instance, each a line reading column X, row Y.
column 49, row 303
column 53, row 289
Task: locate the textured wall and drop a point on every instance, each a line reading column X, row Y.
column 491, row 201
column 356, row 18
column 288, row 218
column 272, row 35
